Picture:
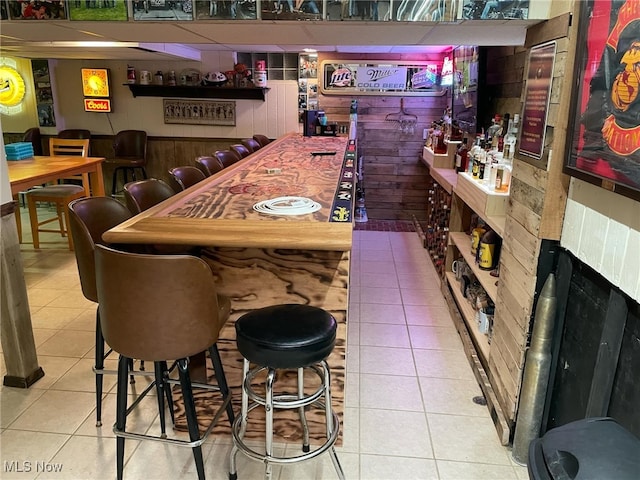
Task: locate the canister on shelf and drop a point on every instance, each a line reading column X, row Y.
column 489, row 250
column 476, row 235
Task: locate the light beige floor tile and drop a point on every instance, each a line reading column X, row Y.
column 371, row 266
column 56, row 412
column 350, row 429
column 72, row 299
column 384, row 335
column 409, row 268
column 521, row 472
column 372, row 239
column 68, row 343
column 377, row 255
column 383, row 280
column 54, row 368
column 85, row 321
column 376, row 313
column 384, row 467
column 386, row 361
column 40, row 297
column 54, row 317
column 321, row 468
column 353, row 312
column 482, row 446
column 455, row 397
column 415, row 296
column 353, row 332
column 89, row 457
column 353, row 359
column 419, row 256
column 217, row 464
column 354, row 295
column 59, row 281
column 41, row 335
column 156, row 460
column 391, row 392
column 435, row 338
column 381, row 295
column 443, row 364
column 352, row 389
column 139, row 420
column 428, row 315
column 395, row 433
column 24, row 455
column 80, row 377
column 474, row 471
column 14, row 401
column 419, row 281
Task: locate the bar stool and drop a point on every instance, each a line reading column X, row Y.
column 280, row 337
column 160, row 308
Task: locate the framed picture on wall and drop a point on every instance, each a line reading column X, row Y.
column 603, row 144
column 199, row 112
column 40, row 10
column 105, row 10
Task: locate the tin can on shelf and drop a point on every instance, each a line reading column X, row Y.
column 171, row 78
column 131, row 74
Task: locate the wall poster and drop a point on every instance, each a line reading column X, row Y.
column 536, row 100
column 199, row 112
column 44, row 95
column 604, row 136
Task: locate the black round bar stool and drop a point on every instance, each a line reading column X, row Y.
column 285, row 337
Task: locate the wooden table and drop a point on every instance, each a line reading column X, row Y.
column 24, row 174
column 259, row 259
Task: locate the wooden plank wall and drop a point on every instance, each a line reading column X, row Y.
column 395, row 180
column 536, row 204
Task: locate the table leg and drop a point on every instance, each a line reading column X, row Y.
column 98, row 181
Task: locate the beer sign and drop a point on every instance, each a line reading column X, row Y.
column 102, row 105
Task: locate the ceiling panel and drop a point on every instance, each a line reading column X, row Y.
column 255, row 36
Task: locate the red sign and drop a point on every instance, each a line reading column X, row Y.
column 536, row 102
column 97, row 105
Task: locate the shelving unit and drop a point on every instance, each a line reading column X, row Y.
column 183, row 91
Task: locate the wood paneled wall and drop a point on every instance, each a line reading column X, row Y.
column 394, row 179
column 536, row 204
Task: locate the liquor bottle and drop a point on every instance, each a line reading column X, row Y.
column 511, row 138
column 462, row 156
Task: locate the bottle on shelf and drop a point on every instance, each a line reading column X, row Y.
column 510, row 138
column 462, row 156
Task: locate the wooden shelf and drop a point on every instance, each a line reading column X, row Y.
column 463, row 242
column 490, row 206
column 182, row 91
column 480, row 340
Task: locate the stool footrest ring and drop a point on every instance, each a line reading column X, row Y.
column 261, row 457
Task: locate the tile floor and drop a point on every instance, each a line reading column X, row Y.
column 409, row 412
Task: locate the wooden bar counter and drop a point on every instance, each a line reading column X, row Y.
column 261, row 259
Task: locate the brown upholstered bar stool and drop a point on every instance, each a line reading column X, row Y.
column 240, row 149
column 184, row 177
column 144, row 194
column 89, row 218
column 251, row 144
column 292, row 337
column 158, row 308
column 130, row 156
column 227, row 157
column 263, row 140
column 209, row 165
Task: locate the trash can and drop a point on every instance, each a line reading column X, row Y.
column 596, row 448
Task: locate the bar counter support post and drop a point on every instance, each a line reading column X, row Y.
column 18, row 345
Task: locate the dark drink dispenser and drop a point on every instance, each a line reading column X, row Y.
column 310, row 122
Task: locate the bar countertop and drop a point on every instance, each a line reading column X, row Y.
column 219, row 211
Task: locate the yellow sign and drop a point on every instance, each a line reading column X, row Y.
column 11, row 88
column 95, row 82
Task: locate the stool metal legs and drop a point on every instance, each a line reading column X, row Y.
column 284, row 401
column 162, row 385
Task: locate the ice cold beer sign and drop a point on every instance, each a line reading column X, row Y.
column 380, row 78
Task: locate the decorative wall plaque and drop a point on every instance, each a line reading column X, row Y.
column 199, row 112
